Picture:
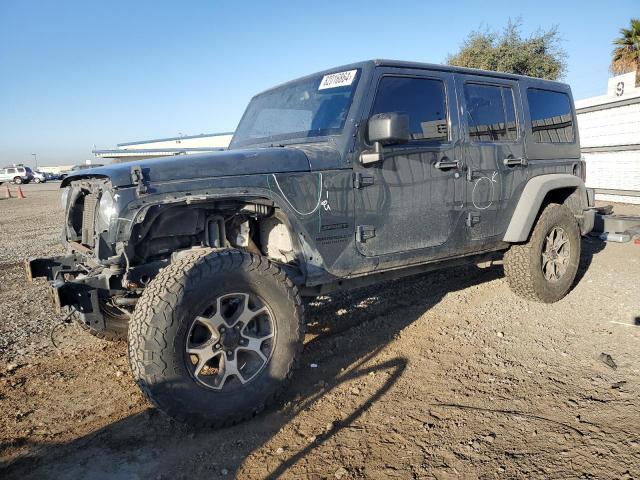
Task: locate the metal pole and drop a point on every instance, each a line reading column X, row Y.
column 35, row 159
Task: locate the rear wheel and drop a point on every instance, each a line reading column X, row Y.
column 17, row 180
column 215, row 336
column 544, row 268
column 36, row 180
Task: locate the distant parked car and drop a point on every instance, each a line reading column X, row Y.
column 52, row 176
column 75, row 168
column 19, row 174
column 39, row 177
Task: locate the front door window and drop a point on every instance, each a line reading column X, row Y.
column 423, row 99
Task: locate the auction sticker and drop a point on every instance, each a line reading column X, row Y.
column 340, row 79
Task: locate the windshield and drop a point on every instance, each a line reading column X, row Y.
column 312, row 107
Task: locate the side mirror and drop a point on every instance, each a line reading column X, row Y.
column 385, row 129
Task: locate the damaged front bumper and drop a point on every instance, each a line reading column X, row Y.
column 71, row 286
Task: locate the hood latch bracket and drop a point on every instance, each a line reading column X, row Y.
column 137, row 178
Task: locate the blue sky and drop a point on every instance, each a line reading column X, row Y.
column 78, row 73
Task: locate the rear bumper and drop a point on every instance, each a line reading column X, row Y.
column 81, row 293
column 588, row 221
column 589, row 214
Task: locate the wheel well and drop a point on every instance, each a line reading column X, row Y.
column 567, row 196
column 255, row 225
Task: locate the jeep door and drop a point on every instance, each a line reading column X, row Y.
column 492, row 125
column 411, row 200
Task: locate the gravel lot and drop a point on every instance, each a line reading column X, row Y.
column 444, row 375
column 28, row 227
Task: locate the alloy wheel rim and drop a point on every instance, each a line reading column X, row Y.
column 230, row 342
column 556, row 252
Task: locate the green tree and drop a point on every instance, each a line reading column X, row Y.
column 626, row 54
column 539, row 55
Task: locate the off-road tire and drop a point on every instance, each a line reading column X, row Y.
column 158, row 332
column 523, row 261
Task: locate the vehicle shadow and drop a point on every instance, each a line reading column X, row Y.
column 591, row 245
column 346, row 340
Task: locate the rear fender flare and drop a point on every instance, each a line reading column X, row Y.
column 531, row 200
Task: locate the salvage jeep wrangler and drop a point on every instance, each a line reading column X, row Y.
column 352, row 176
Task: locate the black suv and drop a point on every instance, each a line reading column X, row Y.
column 344, row 178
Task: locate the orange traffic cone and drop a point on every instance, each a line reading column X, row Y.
column 7, row 194
column 20, row 194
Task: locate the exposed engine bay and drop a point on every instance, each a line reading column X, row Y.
column 255, row 227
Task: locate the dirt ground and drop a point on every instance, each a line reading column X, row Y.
column 445, row 375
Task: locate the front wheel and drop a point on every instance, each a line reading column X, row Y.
column 215, row 336
column 17, row 180
column 544, row 268
column 37, row 180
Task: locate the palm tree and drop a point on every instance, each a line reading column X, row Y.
column 626, row 54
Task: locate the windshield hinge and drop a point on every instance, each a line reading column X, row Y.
column 137, row 178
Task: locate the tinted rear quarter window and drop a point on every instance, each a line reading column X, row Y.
column 422, row 99
column 551, row 116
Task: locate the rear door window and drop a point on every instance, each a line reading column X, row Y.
column 422, row 99
column 490, row 113
column 551, row 116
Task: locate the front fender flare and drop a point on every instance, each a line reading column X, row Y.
column 531, row 200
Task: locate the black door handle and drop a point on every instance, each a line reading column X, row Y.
column 448, row 164
column 512, row 162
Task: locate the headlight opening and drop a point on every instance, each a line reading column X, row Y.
column 107, row 211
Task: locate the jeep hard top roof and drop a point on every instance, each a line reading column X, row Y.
column 369, row 64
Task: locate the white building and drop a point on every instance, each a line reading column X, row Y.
column 164, row 147
column 609, row 127
column 55, row 169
